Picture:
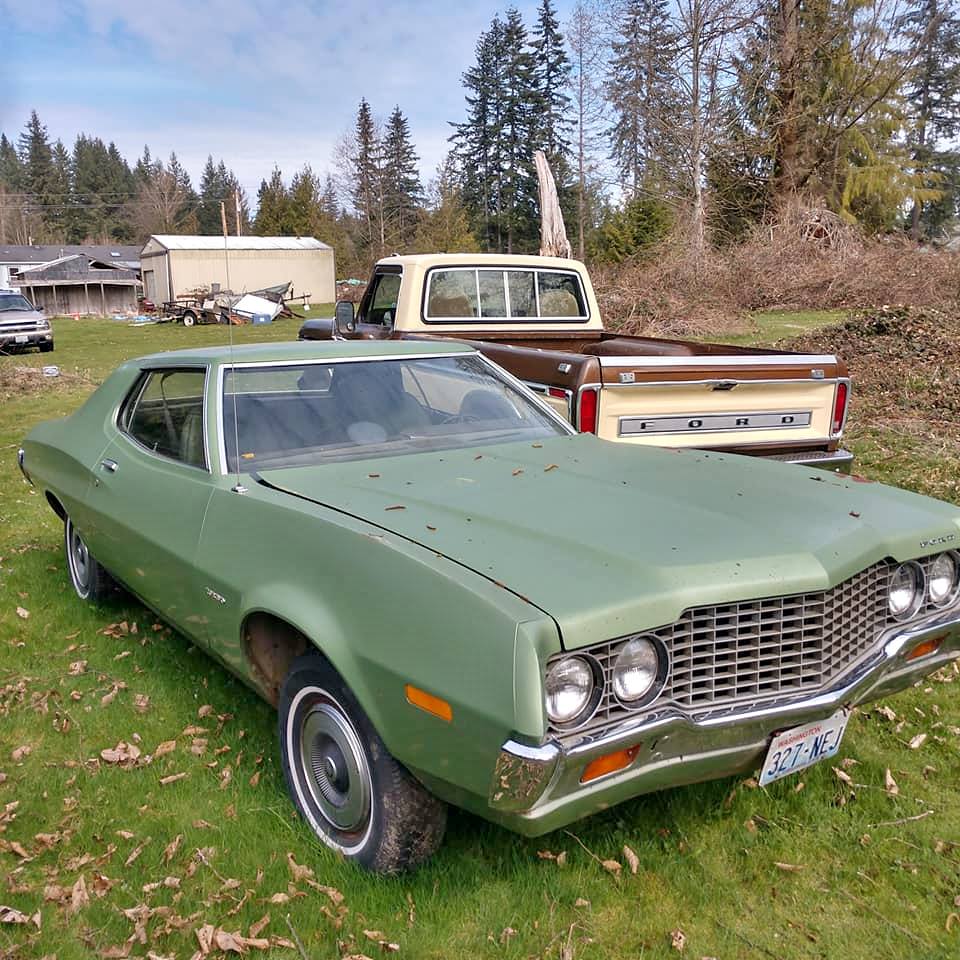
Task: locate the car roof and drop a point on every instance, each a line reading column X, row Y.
column 506, row 260
column 303, row 350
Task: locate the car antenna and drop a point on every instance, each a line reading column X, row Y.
column 238, row 487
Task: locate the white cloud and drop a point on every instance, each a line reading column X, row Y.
column 258, row 82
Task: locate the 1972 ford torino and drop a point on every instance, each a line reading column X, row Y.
column 451, row 597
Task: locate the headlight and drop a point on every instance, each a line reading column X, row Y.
column 569, row 686
column 43, row 324
column 636, row 668
column 906, row 591
column 942, row 580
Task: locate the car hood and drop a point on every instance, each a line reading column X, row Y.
column 609, row 539
column 21, row 316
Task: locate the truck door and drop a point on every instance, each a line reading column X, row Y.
column 378, row 308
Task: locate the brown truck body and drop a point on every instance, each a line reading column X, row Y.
column 538, row 318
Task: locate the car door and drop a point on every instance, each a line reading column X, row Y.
column 150, row 493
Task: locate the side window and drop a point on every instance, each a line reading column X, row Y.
column 381, row 308
column 452, row 294
column 164, row 413
column 523, row 301
column 560, row 295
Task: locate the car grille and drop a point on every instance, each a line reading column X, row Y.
column 738, row 654
column 9, row 329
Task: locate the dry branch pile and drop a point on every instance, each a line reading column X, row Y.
column 808, row 259
column 20, row 381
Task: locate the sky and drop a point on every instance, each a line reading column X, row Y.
column 256, row 82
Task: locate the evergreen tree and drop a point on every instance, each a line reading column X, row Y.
column 61, row 188
column 367, row 181
column 639, row 88
column 932, row 29
column 272, row 205
column 305, row 209
column 11, row 171
column 518, row 124
column 212, row 191
column 402, row 189
column 551, row 81
column 38, row 180
column 477, row 141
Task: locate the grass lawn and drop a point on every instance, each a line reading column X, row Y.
column 765, row 327
column 116, row 863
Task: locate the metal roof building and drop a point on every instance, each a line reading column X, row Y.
column 179, row 266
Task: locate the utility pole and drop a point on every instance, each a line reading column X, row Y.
column 223, row 219
column 236, row 204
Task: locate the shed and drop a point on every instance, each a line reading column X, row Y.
column 14, row 258
column 175, row 266
column 78, row 283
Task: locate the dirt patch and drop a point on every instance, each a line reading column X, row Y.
column 21, row 381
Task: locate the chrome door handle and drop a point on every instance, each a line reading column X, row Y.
column 109, row 465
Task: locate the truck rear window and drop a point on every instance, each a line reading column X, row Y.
column 494, row 295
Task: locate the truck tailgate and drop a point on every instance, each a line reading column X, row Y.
column 720, row 401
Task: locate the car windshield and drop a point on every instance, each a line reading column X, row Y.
column 13, row 301
column 281, row 415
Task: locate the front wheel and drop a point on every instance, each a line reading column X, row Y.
column 90, row 580
column 354, row 795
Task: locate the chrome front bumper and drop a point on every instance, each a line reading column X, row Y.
column 536, row 789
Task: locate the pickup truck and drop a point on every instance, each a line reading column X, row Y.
column 538, row 318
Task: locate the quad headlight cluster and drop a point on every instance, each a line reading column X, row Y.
column 911, row 587
column 574, row 685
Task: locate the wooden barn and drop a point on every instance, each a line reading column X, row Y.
column 79, row 283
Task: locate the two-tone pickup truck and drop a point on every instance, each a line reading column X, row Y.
column 538, row 318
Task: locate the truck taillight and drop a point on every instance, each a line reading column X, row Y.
column 557, row 393
column 840, row 406
column 587, row 412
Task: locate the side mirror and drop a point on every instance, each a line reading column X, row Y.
column 344, row 319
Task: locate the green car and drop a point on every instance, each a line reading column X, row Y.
column 453, row 598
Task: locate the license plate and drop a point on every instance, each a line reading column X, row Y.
column 21, row 338
column 803, row 746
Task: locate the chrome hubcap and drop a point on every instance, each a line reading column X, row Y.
column 79, row 558
column 334, row 766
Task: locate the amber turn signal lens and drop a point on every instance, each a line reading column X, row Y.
column 927, row 646
column 609, row 763
column 428, row 702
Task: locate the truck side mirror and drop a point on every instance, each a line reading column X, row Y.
column 344, row 320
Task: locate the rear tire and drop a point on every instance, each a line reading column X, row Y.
column 344, row 782
column 90, row 580
column 46, row 347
